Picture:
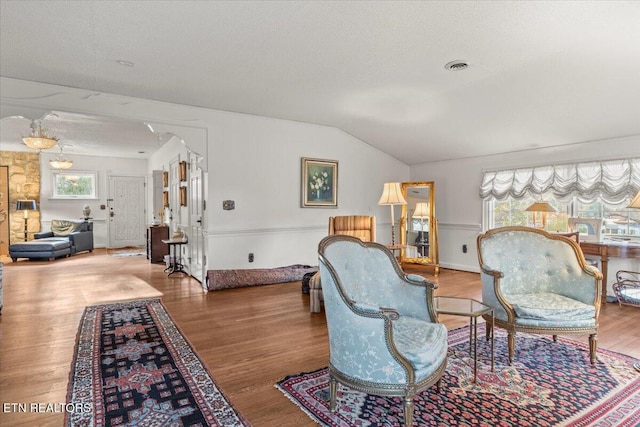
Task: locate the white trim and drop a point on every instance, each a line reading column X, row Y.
column 248, row 231
column 460, row 226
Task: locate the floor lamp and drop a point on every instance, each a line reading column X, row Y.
column 392, row 195
column 26, row 206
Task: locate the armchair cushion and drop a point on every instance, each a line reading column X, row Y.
column 423, row 343
column 547, row 305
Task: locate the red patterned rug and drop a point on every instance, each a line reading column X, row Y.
column 133, row 367
column 549, row 384
column 224, row 279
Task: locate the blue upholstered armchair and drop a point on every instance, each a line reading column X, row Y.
column 538, row 283
column 384, row 335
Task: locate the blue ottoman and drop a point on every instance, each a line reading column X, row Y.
column 49, row 249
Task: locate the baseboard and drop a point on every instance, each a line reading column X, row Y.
column 461, row 267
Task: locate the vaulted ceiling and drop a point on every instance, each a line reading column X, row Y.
column 539, row 73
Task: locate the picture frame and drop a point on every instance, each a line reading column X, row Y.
column 318, row 183
column 183, row 196
column 165, row 199
column 182, row 167
column 165, row 179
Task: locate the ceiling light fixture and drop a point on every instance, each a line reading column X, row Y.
column 60, row 162
column 39, row 139
column 456, row 65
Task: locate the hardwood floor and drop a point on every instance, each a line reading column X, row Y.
column 249, row 338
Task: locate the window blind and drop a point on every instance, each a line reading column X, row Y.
column 612, row 181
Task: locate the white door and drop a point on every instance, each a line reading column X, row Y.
column 126, row 211
column 196, row 240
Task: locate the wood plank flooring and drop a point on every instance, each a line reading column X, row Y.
column 249, row 338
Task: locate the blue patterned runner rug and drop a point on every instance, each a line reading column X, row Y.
column 549, row 384
column 133, row 367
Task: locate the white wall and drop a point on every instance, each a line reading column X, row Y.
column 255, row 161
column 72, row 209
column 252, row 160
column 457, row 187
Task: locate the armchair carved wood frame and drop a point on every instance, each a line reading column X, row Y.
column 384, row 334
column 538, row 283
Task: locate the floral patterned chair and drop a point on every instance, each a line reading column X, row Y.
column 360, row 226
column 384, row 335
column 539, row 283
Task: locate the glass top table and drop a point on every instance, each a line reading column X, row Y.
column 472, row 309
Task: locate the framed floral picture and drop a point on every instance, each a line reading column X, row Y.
column 319, row 183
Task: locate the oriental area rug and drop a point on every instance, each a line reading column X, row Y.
column 549, row 384
column 225, row 279
column 133, row 367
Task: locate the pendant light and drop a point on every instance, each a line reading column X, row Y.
column 60, row 162
column 39, row 139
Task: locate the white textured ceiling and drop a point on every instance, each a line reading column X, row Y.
column 541, row 73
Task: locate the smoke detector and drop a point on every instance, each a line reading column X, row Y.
column 456, row 65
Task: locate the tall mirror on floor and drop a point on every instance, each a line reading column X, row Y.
column 418, row 225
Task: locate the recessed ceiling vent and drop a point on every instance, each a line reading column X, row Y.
column 456, row 65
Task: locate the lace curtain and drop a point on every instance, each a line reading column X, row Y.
column 612, row 181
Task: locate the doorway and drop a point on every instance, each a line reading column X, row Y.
column 196, row 217
column 126, row 203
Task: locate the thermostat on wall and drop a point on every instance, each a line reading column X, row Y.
column 228, row 205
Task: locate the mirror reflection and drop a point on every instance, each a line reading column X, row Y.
column 418, row 227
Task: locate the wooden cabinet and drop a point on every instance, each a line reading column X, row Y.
column 156, row 250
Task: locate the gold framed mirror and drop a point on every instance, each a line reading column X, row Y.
column 418, row 225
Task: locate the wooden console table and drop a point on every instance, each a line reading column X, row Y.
column 606, row 251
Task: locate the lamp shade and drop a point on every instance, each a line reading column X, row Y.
column 635, row 203
column 541, row 207
column 392, row 194
column 422, row 211
column 26, row 205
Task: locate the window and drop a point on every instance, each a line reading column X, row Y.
column 513, row 212
column 619, row 221
column 74, row 185
column 586, row 190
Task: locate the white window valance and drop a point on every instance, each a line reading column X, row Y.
column 612, row 181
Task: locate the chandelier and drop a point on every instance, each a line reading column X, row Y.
column 39, row 139
column 60, row 162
